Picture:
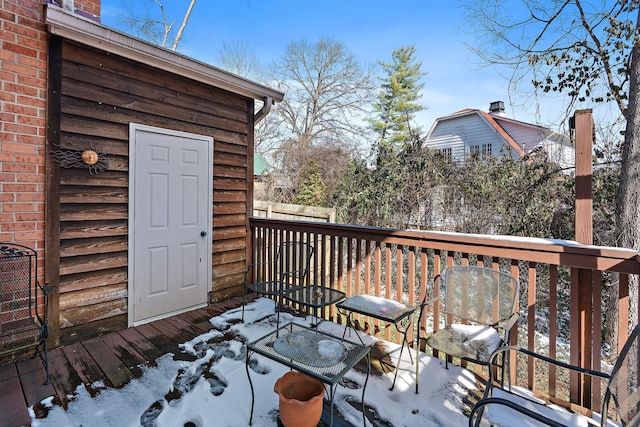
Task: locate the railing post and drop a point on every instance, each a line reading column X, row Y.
column 582, row 284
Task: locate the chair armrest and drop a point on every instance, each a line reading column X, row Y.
column 508, row 324
column 478, row 411
column 503, row 349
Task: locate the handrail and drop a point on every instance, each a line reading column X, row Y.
column 401, row 265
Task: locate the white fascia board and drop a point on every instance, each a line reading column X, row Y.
column 85, row 31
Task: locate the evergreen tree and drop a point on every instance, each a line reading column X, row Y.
column 313, row 189
column 397, row 135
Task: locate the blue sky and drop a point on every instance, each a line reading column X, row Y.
column 370, row 29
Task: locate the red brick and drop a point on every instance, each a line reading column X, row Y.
column 19, row 188
column 7, row 118
column 35, row 43
column 18, row 226
column 6, row 16
column 7, row 76
column 19, row 69
column 6, row 157
column 37, row 216
column 40, row 62
column 38, row 122
column 19, row 207
column 19, row 167
column 29, row 236
column 7, row 197
column 30, row 139
column 8, row 177
column 30, row 178
column 20, row 49
column 20, row 148
column 9, row 217
column 29, row 32
column 12, row 127
column 21, row 109
column 7, row 97
column 31, row 81
column 20, row 89
column 34, row 102
column 36, row 160
column 30, row 197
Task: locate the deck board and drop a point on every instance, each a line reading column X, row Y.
column 112, row 360
column 127, row 353
column 33, row 377
column 86, row 368
column 117, row 373
column 155, row 337
column 145, row 347
column 14, row 407
column 63, row 377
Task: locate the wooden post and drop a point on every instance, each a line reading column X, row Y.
column 583, row 123
column 582, row 279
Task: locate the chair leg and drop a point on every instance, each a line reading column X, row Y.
column 244, row 296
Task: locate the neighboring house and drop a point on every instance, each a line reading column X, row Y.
column 474, row 132
column 128, row 167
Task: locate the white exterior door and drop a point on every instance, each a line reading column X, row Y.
column 170, row 216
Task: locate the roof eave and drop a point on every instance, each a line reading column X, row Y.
column 85, row 31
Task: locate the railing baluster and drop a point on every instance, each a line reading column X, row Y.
column 553, row 326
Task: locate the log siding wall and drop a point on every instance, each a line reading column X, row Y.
column 99, row 95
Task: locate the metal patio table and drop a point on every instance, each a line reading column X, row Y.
column 297, row 347
column 386, row 310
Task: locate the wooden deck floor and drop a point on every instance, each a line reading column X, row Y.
column 113, row 359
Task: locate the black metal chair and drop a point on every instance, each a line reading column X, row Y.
column 622, row 388
column 477, row 303
column 23, row 305
column 288, row 269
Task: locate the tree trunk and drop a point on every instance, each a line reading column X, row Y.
column 628, row 220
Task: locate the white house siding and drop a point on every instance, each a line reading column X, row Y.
column 459, row 133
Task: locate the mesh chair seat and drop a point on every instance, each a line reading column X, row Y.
column 469, row 342
column 271, row 288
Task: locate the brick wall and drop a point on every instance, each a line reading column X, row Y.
column 23, row 88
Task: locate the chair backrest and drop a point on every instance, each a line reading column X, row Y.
column 293, row 259
column 480, row 295
column 622, row 389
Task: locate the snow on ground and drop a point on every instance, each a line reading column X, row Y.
column 214, row 389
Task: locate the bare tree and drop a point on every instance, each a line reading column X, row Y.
column 326, row 90
column 589, row 52
column 327, row 94
column 152, row 24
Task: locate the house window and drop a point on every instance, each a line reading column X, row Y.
column 482, row 151
column 486, row 151
column 447, row 153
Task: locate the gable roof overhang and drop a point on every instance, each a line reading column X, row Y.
column 74, row 27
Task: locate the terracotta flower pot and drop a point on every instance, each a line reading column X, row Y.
column 300, row 399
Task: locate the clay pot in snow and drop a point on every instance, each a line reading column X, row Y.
column 300, row 399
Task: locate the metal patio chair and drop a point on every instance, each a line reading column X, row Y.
column 288, row 269
column 23, row 305
column 479, row 308
column 622, row 388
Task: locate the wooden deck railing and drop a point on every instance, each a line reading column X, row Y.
column 561, row 286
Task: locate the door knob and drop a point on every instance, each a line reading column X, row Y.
column 203, row 233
